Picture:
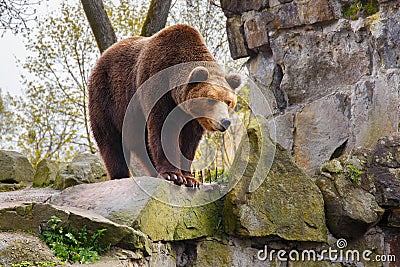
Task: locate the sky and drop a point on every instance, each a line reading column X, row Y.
column 13, row 48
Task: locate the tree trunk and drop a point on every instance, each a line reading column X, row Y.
column 100, row 23
column 156, row 17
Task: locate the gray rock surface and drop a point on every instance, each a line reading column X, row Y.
column 385, row 168
column 317, row 62
column 350, row 210
column 394, row 217
column 234, row 29
column 358, row 185
column 225, row 254
column 14, row 167
column 84, row 168
column 40, row 195
column 161, row 210
column 325, row 122
column 237, row 7
column 338, row 79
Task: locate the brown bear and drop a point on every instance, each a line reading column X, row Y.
column 201, row 103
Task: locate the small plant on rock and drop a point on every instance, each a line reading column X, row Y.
column 72, row 245
column 357, row 8
column 354, row 174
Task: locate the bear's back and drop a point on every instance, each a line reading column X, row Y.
column 171, row 46
column 127, row 64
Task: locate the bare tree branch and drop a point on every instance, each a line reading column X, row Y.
column 14, row 14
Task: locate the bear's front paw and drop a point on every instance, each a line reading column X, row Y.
column 192, row 182
column 179, row 179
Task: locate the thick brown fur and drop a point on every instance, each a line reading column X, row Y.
column 120, row 71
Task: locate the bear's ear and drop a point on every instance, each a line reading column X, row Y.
column 234, row 80
column 198, row 75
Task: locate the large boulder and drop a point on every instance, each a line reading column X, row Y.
column 84, row 168
column 282, row 201
column 14, row 167
column 359, row 185
column 350, row 210
column 33, row 217
column 154, row 206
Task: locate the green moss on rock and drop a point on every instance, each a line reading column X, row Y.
column 287, row 203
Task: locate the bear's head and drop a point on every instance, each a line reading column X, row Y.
column 209, row 96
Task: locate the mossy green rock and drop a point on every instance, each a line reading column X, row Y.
column 285, row 201
column 46, row 173
column 228, row 252
column 19, row 247
column 14, row 167
column 33, row 217
column 333, row 166
column 162, row 221
column 11, row 187
column 154, row 206
column 183, row 219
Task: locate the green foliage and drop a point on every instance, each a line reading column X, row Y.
column 371, row 8
column 51, row 120
column 52, row 117
column 356, row 8
column 127, row 16
column 353, row 174
column 219, row 175
column 72, row 245
column 212, row 175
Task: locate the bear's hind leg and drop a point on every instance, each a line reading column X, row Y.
column 114, row 159
column 110, row 147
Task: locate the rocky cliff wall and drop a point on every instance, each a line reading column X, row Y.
column 331, row 70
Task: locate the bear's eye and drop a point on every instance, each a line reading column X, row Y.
column 228, row 103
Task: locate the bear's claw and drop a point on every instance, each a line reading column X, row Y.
column 191, row 182
column 180, row 179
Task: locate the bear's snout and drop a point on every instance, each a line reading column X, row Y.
column 225, row 124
